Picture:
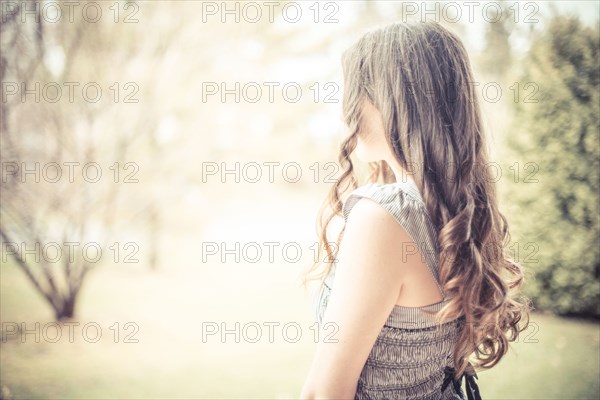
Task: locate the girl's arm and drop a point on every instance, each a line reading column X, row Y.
column 368, row 280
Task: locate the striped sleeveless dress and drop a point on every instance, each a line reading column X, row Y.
column 410, row 359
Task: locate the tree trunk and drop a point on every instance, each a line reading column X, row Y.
column 67, row 309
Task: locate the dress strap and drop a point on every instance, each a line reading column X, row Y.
column 471, row 386
column 403, row 201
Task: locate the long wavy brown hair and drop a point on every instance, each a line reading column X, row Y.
column 418, row 76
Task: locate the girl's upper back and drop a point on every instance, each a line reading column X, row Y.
column 409, row 356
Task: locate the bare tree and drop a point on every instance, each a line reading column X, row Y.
column 64, row 156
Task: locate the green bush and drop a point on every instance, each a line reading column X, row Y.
column 554, row 196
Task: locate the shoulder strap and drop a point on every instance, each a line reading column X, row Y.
column 404, row 203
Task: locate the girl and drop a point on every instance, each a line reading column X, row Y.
column 422, row 281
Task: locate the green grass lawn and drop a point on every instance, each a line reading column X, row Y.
column 555, row 359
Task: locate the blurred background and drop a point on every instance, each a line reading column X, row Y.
column 163, row 164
